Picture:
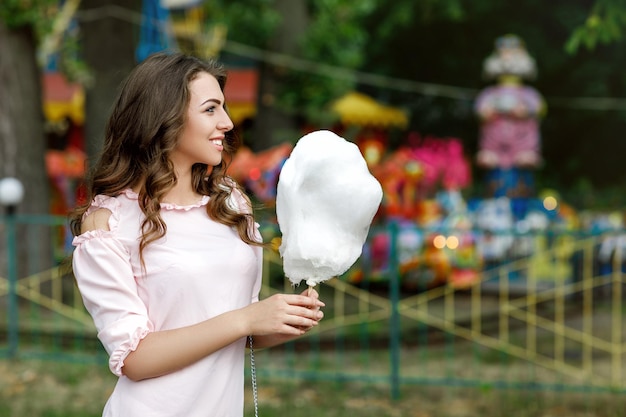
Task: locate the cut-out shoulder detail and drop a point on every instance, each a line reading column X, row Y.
column 96, row 220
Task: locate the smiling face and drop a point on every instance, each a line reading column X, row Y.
column 205, row 126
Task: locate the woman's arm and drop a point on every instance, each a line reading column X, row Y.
column 102, row 270
column 276, row 319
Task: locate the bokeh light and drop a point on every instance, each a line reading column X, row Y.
column 550, row 203
column 439, row 242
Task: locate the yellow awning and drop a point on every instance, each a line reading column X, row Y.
column 241, row 111
column 74, row 109
column 362, row 110
column 62, row 99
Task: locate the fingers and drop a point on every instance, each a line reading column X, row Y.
column 297, row 325
column 311, row 301
column 303, row 312
column 287, row 314
column 305, row 316
column 310, row 292
column 306, row 324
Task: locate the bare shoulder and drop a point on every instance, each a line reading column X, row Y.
column 96, row 220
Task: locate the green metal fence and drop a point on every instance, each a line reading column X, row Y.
column 523, row 324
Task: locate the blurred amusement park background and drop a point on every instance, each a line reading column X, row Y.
column 493, row 127
column 481, row 154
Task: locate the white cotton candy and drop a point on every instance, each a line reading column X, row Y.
column 325, row 202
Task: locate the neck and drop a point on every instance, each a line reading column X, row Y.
column 509, row 80
column 182, row 193
column 182, row 196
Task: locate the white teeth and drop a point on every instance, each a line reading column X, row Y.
column 217, row 141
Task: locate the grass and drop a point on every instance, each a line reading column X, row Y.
column 55, row 389
column 300, row 399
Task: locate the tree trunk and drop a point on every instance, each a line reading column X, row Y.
column 23, row 142
column 22, row 138
column 109, row 50
column 273, row 125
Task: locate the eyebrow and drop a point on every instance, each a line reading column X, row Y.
column 214, row 100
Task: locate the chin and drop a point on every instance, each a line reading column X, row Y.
column 212, row 160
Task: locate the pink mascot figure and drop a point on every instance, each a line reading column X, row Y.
column 509, row 145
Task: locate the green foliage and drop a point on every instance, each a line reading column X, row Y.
column 39, row 16
column 339, row 37
column 335, row 37
column 603, row 26
column 35, row 13
column 398, row 15
column 70, row 62
column 251, row 22
column 335, row 33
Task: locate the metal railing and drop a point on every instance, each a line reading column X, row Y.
column 511, row 327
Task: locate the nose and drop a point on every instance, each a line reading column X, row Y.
column 225, row 123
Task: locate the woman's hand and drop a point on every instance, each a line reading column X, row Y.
column 285, row 314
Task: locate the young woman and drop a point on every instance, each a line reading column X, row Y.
column 167, row 254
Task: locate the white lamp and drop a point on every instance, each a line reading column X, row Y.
column 11, row 192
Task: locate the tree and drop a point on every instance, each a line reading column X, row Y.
column 603, row 25
column 21, row 110
column 273, row 123
column 108, row 49
column 22, row 139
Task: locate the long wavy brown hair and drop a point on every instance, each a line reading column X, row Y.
column 146, row 122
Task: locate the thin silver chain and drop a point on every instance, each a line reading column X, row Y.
column 255, row 394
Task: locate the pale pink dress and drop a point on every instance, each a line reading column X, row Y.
column 199, row 270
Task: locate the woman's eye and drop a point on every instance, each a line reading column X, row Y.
column 211, row 109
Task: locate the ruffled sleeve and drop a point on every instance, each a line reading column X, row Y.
column 107, row 285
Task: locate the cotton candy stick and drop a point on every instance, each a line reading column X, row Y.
column 325, row 202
